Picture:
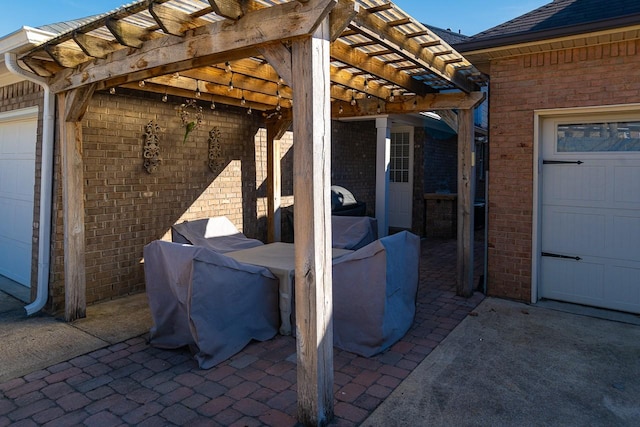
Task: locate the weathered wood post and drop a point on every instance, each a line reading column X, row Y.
column 71, row 108
column 466, row 194
column 312, row 225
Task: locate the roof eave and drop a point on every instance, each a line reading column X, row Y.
column 535, row 36
column 23, row 39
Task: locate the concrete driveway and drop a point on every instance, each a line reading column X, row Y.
column 514, row 364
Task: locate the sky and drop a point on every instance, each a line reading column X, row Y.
column 467, row 16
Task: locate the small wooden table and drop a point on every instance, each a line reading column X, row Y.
column 279, row 258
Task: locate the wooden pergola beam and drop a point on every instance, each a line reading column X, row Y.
column 407, row 104
column 392, row 38
column 182, row 53
column 342, row 52
column 172, row 21
column 234, row 9
column 95, row 47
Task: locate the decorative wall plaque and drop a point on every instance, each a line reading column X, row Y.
column 216, row 162
column 151, row 147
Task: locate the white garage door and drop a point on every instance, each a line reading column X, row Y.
column 17, row 177
column 590, row 216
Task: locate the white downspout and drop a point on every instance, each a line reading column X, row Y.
column 46, row 183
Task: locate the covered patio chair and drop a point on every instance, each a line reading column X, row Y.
column 207, row 301
column 374, row 294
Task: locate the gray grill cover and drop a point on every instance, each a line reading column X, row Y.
column 207, row 301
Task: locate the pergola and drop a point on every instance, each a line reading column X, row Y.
column 297, row 61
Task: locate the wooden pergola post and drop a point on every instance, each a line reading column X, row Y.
column 274, row 185
column 312, row 225
column 71, row 108
column 466, row 195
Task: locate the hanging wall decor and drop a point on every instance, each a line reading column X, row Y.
column 191, row 116
column 216, row 162
column 151, row 151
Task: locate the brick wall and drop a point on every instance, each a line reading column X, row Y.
column 15, row 97
column 126, row 207
column 588, row 76
column 353, row 159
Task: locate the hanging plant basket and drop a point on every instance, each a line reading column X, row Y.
column 191, row 117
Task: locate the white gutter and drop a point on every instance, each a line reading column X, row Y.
column 46, row 183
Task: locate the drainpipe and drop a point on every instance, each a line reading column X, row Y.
column 46, row 183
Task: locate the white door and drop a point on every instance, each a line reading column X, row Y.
column 18, row 131
column 590, row 211
column 401, row 178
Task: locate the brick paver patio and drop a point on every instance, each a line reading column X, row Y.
column 131, row 383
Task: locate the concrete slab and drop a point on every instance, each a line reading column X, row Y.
column 32, row 343
column 515, row 364
column 127, row 317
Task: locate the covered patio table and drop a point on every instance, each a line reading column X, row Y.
column 279, row 258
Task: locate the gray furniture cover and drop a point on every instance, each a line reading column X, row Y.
column 208, row 301
column 353, row 232
column 217, row 233
column 374, row 294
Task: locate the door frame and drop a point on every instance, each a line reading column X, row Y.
column 539, row 116
column 411, row 130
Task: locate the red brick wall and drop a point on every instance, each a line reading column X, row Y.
column 589, row 76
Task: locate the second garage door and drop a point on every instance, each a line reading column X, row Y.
column 590, row 211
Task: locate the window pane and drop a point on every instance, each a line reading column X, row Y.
column 599, row 137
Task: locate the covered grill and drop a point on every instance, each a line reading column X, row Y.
column 343, row 203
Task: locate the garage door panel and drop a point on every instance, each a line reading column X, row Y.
column 564, row 228
column 625, row 237
column 625, row 285
column 573, row 183
column 626, row 188
column 13, row 182
column 14, row 254
column 578, row 281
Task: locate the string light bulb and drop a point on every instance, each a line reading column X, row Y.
column 227, row 66
column 353, row 98
column 198, row 94
column 249, row 111
column 112, row 90
column 141, row 83
column 231, row 83
column 340, row 110
column 165, row 98
column 243, row 101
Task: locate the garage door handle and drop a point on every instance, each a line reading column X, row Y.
column 562, row 162
column 577, row 258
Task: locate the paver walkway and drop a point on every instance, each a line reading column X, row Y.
column 131, row 383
